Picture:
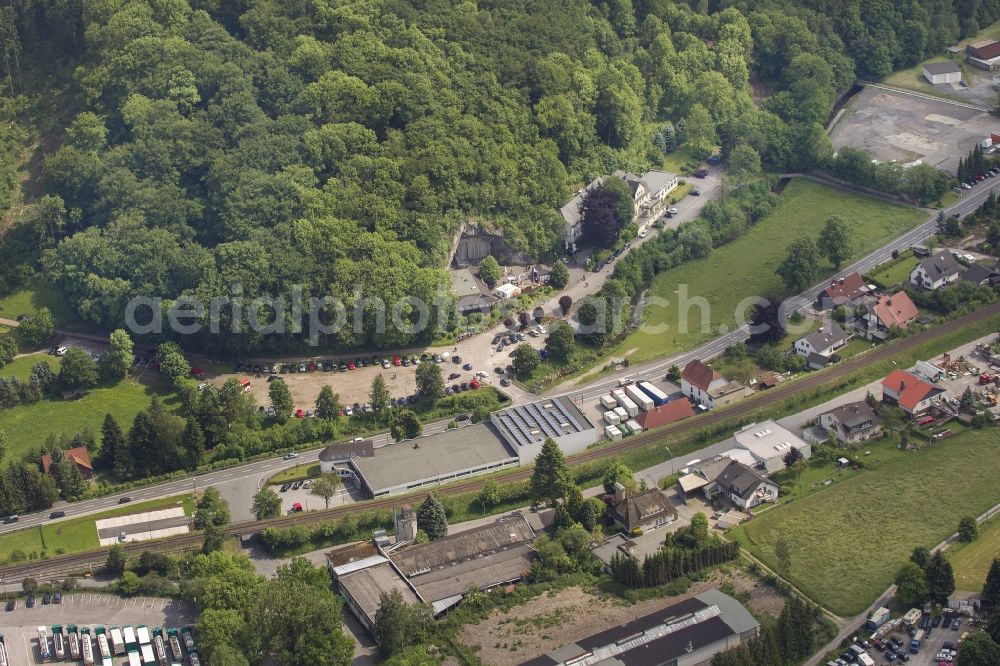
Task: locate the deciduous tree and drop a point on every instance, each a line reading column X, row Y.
column 798, row 269
column 405, row 425
column 834, row 241
column 266, row 504
column 559, row 275
column 379, row 394
column 328, row 404
column 77, row 370
column 525, row 359
column 490, row 271
column 911, row 585
column 325, row 487
column 118, row 358
column 559, row 342
column 430, row 383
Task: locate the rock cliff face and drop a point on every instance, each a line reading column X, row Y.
column 475, row 241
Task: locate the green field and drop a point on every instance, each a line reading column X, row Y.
column 29, row 425
column 972, row 560
column 34, row 297
column 22, row 366
column 746, row 266
column 78, row 534
column 848, row 540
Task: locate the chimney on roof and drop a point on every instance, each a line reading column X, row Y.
column 619, row 492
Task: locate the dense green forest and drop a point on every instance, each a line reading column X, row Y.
column 339, row 144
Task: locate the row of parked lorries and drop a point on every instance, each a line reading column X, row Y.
column 100, row 646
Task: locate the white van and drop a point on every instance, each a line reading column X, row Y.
column 61, row 351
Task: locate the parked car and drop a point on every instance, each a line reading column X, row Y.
column 285, row 487
column 30, row 602
column 57, row 598
column 299, row 414
column 695, row 193
column 467, row 366
column 956, row 624
column 351, row 366
column 936, row 622
column 946, row 622
column 46, row 599
column 11, row 604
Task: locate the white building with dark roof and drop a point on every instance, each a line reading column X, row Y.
column 942, row 72
column 823, row 342
column 769, row 443
column 936, row 271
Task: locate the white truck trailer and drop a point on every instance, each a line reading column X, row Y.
column 117, row 641
column 611, row 418
column 643, row 401
column 625, row 402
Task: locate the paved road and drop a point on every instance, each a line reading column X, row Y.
column 969, row 203
column 238, row 483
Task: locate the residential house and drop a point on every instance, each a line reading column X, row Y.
column 980, row 275
column 942, row 72
column 852, row 423
column 819, row 346
column 887, row 312
column 649, row 192
column 984, row 54
column 769, row 443
column 911, row 393
column 644, row 511
column 742, row 485
column 571, row 215
column 708, row 387
column 849, row 290
column 936, row 271
column 78, row 456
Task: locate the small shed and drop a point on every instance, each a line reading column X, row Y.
column 843, row 462
column 942, row 72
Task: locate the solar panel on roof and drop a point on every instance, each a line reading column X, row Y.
column 539, row 417
column 549, row 418
column 522, row 423
column 520, row 433
column 569, row 417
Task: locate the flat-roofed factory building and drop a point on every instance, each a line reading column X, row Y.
column 526, row 427
column 432, row 460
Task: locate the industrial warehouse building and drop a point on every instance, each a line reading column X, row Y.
column 688, row 633
column 439, row 573
column 526, row 427
column 514, row 436
column 433, row 460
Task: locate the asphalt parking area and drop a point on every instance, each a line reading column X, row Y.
column 906, row 128
column 20, row 626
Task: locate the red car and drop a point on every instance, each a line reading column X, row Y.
column 924, row 421
column 198, row 372
column 397, row 361
column 297, row 507
column 474, row 384
column 299, row 414
column 351, row 366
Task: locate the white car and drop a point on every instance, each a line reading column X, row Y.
column 482, row 374
column 672, row 211
column 643, row 233
column 292, row 455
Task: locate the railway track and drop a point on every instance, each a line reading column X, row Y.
column 78, row 562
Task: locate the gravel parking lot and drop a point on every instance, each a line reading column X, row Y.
column 906, row 128
column 931, row 646
column 19, row 627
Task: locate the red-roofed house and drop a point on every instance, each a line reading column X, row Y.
column 78, row 456
column 675, row 410
column 911, row 393
column 847, row 290
column 892, row 310
column 707, row 387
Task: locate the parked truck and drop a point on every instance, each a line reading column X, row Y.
column 639, row 397
column 864, row 660
column 625, row 403
column 879, row 617
column 3, row 652
column 142, row 635
column 133, row 658
column 88, row 649
column 161, row 650
column 146, row 650
column 916, row 641
column 117, row 642
column 131, row 644
column 58, row 642
column 658, row 397
column 175, row 645
column 74, row 643
column 43, row 644
column 611, row 418
column 608, row 402
column 912, row 617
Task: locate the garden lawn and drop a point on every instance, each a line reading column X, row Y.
column 898, row 273
column 746, row 266
column 79, row 534
column 848, row 541
column 913, row 78
column 21, row 366
column 971, row 561
column 297, row 473
column 28, row 426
